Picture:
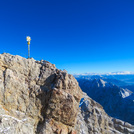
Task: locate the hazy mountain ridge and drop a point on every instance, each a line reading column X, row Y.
column 110, row 73
column 124, row 81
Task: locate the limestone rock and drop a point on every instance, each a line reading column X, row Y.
column 38, row 98
column 32, row 92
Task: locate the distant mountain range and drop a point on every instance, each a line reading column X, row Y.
column 122, row 79
column 110, row 73
column 117, row 102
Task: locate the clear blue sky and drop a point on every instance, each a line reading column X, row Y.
column 77, row 35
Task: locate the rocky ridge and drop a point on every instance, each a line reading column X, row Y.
column 116, row 101
column 92, row 119
column 38, row 98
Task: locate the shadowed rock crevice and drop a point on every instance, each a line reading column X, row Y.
column 44, row 102
column 4, row 76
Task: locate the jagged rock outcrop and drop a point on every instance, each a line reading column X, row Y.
column 92, row 119
column 38, row 98
column 35, row 93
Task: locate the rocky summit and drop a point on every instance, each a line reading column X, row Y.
column 38, row 98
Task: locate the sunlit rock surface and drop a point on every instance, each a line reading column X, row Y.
column 38, row 98
column 35, row 95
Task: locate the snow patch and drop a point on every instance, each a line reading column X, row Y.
column 8, row 116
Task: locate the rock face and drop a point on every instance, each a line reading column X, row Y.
column 92, row 119
column 37, row 98
column 35, row 95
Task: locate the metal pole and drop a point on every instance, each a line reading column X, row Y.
column 28, row 50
